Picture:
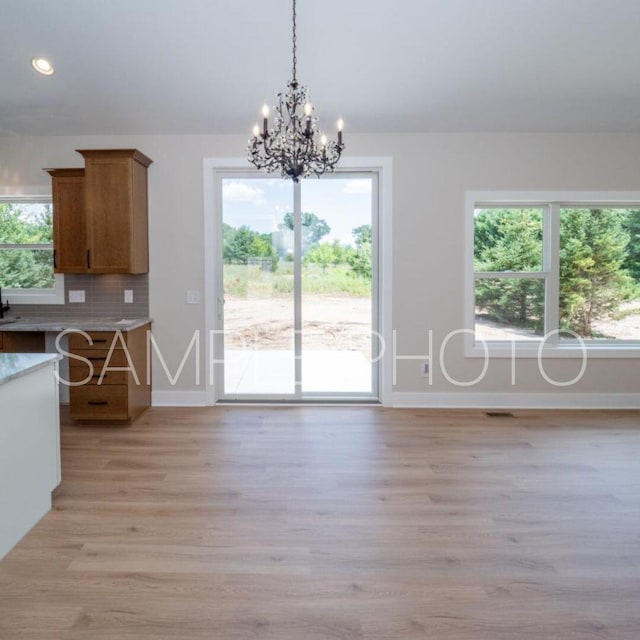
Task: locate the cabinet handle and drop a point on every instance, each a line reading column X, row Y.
column 95, row 358
column 99, row 341
column 98, row 403
column 88, row 258
column 55, row 259
column 106, row 375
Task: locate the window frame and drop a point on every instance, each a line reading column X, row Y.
column 53, row 295
column 551, row 202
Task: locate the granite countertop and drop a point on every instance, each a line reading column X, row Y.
column 14, row 365
column 89, row 324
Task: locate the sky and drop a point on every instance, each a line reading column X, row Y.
column 260, row 203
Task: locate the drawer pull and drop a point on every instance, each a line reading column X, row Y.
column 98, row 341
column 98, row 403
column 95, row 359
column 106, row 375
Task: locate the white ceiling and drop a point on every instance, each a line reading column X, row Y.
column 206, row 66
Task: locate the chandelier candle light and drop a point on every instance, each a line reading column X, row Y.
column 294, row 146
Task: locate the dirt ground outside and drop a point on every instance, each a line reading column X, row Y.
column 343, row 323
column 626, row 326
column 340, row 323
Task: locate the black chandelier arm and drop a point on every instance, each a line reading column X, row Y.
column 293, row 153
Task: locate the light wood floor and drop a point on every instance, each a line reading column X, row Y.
column 307, row 523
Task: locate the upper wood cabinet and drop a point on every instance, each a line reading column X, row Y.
column 115, row 184
column 101, row 218
column 69, row 221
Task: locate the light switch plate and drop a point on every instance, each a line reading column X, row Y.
column 128, row 295
column 76, row 296
column 193, row 297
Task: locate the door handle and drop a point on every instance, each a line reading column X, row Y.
column 221, row 302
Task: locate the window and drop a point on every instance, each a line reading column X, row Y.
column 26, row 252
column 557, row 273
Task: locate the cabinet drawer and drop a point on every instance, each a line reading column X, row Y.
column 98, row 357
column 91, row 401
column 100, row 340
column 80, row 373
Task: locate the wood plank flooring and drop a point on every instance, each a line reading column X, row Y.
column 336, row 523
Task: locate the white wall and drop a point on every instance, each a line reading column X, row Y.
column 431, row 173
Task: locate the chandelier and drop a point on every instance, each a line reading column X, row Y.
column 294, row 146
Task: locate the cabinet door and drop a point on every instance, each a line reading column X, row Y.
column 116, row 206
column 22, row 342
column 109, row 197
column 69, row 221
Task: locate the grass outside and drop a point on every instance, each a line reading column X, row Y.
column 334, row 280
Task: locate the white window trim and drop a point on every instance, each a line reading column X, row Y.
column 55, row 295
column 551, row 202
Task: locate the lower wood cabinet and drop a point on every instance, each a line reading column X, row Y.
column 109, row 372
column 21, row 342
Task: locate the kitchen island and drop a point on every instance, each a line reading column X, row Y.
column 29, row 442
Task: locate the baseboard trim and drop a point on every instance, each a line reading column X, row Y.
column 179, row 399
column 401, row 399
column 516, row 400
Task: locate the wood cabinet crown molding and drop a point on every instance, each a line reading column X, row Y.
column 134, row 154
column 66, row 173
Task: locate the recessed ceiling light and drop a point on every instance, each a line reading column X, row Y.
column 42, row 65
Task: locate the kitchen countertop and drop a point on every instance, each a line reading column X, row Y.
column 89, row 324
column 15, row 365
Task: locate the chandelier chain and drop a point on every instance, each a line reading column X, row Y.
column 295, row 42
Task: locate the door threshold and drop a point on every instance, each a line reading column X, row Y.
column 312, row 402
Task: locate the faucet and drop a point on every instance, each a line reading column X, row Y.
column 4, row 306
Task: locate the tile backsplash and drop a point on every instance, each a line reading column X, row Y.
column 104, row 298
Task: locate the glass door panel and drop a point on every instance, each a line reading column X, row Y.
column 258, row 305
column 338, row 264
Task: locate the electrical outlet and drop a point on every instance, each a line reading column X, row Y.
column 76, row 296
column 193, row 297
column 128, row 295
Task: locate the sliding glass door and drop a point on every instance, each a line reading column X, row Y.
column 297, row 299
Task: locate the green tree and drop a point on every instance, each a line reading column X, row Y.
column 593, row 255
column 321, row 255
column 512, row 242
column 360, row 259
column 632, row 260
column 328, row 254
column 593, row 282
column 26, row 224
column 313, row 228
column 486, row 232
column 243, row 243
column 362, row 234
